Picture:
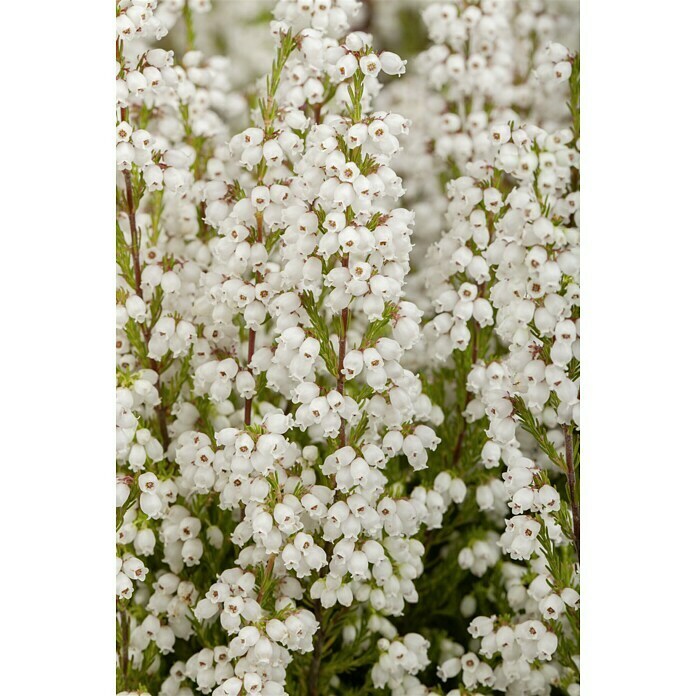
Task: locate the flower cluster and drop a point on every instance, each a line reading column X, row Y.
column 504, row 287
column 312, row 434
column 399, row 659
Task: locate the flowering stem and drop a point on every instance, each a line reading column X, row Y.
column 570, row 473
column 135, row 251
column 137, row 276
column 190, row 31
column 341, row 378
column 574, row 103
column 268, row 109
column 134, row 245
column 135, row 255
column 250, row 355
column 252, row 333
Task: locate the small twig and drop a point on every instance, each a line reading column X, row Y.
column 162, row 422
column 250, row 355
column 570, row 473
column 341, row 378
column 458, row 445
column 135, row 256
column 134, row 245
column 317, row 112
column 252, row 333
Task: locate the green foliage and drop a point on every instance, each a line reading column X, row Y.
column 443, row 585
column 123, row 257
column 169, row 391
column 355, row 94
column 538, row 432
column 135, row 337
column 321, row 332
column 379, row 327
column 574, row 103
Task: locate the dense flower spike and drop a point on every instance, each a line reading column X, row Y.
column 503, row 282
column 312, row 434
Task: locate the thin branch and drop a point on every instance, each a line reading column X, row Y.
column 341, row 378
column 250, row 355
column 252, row 334
column 135, row 242
column 570, row 473
column 135, row 256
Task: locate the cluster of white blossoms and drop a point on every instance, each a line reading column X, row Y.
column 503, row 282
column 482, row 62
column 283, row 395
column 398, row 659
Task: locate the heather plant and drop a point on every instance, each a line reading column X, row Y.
column 347, row 451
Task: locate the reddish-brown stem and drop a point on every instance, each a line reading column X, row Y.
column 130, row 200
column 250, row 355
column 341, row 378
column 252, row 333
column 161, row 419
column 572, row 491
column 137, row 276
column 317, row 112
column 134, row 247
column 458, row 445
